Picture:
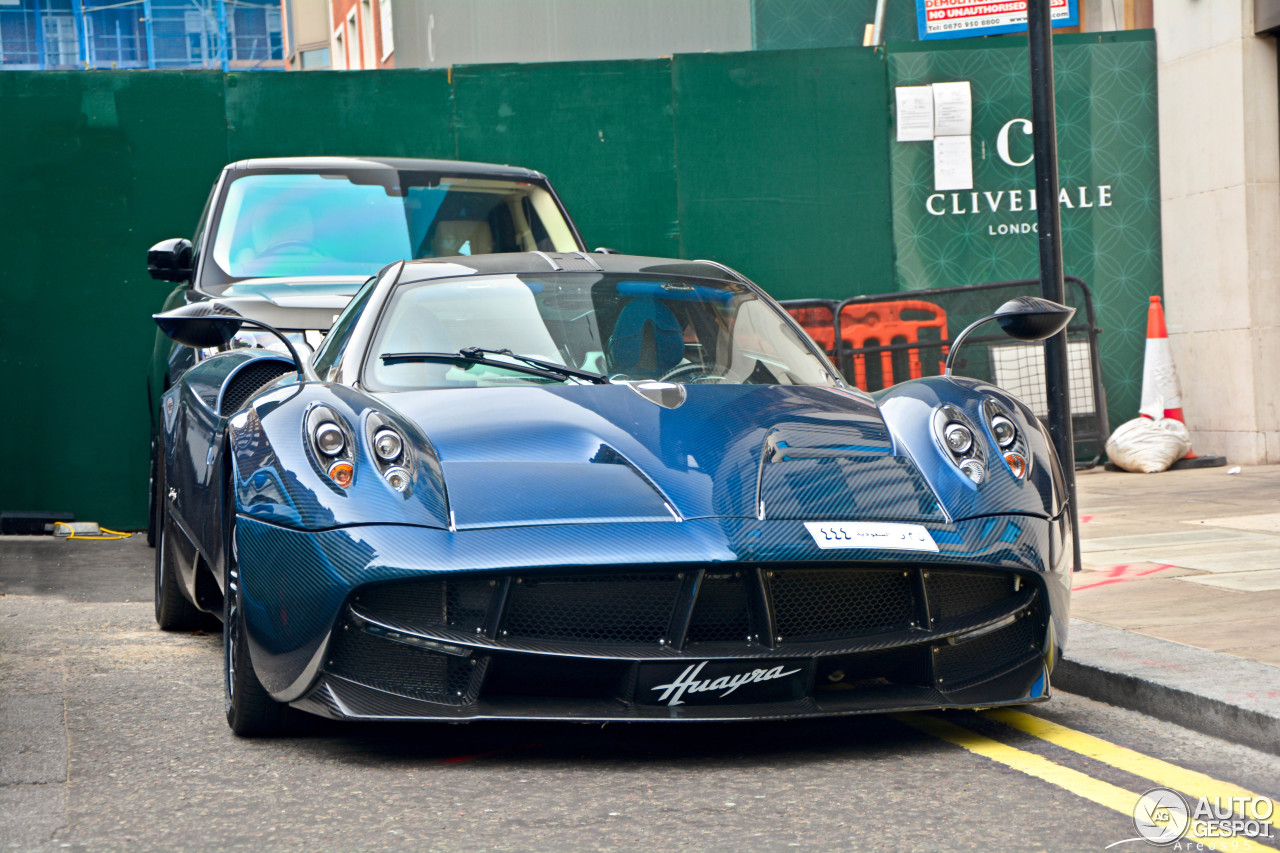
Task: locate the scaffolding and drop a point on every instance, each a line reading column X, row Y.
column 143, row 34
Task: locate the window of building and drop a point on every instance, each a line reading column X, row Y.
column 312, row 60
column 366, row 31
column 384, row 19
column 339, row 51
column 351, row 38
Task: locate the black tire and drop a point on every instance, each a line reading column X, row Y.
column 173, row 611
column 251, row 712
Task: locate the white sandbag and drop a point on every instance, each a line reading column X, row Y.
column 1147, row 446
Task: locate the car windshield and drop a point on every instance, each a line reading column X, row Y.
column 687, row 331
column 352, row 223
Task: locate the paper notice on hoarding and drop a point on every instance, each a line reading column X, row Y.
column 952, row 163
column 915, row 113
column 952, row 109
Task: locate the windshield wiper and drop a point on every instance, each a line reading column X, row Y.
column 476, row 355
column 590, row 376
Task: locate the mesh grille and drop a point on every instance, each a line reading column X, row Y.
column 813, row 604
column 405, row 670
column 720, row 614
column 623, row 608
column 249, row 379
column 458, row 603
column 963, row 664
column 959, row 593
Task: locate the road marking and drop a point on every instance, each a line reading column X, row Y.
column 1116, row 574
column 1082, row 785
column 1161, row 772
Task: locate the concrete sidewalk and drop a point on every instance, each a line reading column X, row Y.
column 1177, row 611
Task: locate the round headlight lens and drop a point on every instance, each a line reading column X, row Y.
column 1004, row 431
column 387, row 444
column 397, row 478
column 973, row 469
column 330, row 439
column 959, row 437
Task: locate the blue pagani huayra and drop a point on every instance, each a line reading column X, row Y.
column 601, row 487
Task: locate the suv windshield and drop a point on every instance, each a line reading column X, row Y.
column 625, row 327
column 351, row 223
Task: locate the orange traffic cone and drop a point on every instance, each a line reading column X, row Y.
column 1161, row 391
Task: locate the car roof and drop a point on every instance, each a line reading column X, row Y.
column 402, row 164
column 512, row 263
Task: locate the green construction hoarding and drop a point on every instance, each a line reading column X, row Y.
column 785, row 164
column 949, row 231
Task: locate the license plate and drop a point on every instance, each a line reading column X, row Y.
column 734, row 682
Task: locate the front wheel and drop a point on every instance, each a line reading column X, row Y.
column 251, row 712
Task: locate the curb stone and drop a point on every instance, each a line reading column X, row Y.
column 1209, row 692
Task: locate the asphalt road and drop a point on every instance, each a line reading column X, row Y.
column 112, row 738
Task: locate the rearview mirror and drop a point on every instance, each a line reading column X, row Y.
column 170, row 260
column 1027, row 318
column 1032, row 318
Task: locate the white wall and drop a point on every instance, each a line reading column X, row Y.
column 438, row 33
column 1220, row 188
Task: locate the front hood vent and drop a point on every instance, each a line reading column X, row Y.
column 561, row 454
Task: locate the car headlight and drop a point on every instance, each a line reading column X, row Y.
column 1004, row 431
column 254, row 339
column 1008, row 438
column 328, row 438
column 958, row 436
column 959, row 442
column 388, row 444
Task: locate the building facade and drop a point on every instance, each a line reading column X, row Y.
column 339, row 35
column 55, row 35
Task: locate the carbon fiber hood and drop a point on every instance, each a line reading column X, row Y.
column 572, row 454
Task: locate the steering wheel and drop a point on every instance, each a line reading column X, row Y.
column 691, row 367
column 286, row 244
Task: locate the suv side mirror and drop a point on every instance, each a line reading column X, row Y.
column 170, row 260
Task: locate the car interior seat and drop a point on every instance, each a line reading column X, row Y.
column 462, row 237
column 647, row 340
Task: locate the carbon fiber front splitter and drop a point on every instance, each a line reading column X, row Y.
column 339, row 698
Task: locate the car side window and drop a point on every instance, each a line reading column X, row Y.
column 335, row 342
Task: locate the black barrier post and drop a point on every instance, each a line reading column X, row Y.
column 1049, row 225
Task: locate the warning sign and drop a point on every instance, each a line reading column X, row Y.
column 947, row 19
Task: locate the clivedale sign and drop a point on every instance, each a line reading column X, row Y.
column 962, row 203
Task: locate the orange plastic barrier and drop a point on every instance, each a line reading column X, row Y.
column 820, row 322
column 882, row 324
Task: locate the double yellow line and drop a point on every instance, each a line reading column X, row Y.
column 1194, row 785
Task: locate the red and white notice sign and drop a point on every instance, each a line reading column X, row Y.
column 965, row 18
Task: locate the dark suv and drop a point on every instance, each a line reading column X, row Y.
column 287, row 241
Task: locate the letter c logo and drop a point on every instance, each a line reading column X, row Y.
column 1002, row 141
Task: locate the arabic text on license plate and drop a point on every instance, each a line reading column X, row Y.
column 878, row 535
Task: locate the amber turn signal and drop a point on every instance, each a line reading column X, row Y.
column 1017, row 464
column 341, row 473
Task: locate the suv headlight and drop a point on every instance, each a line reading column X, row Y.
column 255, row 339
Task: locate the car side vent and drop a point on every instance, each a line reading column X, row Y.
column 246, row 381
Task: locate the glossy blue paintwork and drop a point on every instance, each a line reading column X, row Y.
column 542, row 477
column 489, row 448
column 554, row 476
